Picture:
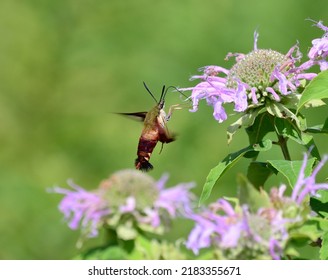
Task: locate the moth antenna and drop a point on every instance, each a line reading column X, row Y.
column 175, row 88
column 150, row 92
column 181, row 92
column 161, row 100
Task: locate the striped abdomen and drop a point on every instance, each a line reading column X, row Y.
column 145, row 149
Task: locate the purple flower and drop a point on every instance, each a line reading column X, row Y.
column 254, row 78
column 211, row 226
column 82, row 208
column 201, row 235
column 305, row 186
column 274, row 249
column 174, row 199
column 319, row 51
column 128, row 196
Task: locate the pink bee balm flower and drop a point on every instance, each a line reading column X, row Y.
column 256, row 77
column 129, row 193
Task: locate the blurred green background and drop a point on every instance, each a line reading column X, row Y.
column 67, row 65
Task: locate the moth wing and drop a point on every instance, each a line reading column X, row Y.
column 138, row 116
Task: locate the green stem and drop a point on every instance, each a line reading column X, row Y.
column 282, row 141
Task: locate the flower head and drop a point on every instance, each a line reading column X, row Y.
column 126, row 200
column 256, row 78
column 238, row 232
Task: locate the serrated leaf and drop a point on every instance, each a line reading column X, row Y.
column 217, row 172
column 249, row 195
column 291, row 169
column 316, row 89
column 324, row 247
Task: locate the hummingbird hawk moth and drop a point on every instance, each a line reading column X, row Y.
column 154, row 130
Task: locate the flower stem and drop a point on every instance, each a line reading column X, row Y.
column 282, row 142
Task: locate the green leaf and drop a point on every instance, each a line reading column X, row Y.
column 249, row 195
column 324, row 247
column 258, row 173
column 291, row 169
column 291, row 130
column 309, row 229
column 302, row 121
column 310, row 145
column 291, row 251
column 323, row 223
column 314, row 103
column 320, row 204
column 142, row 248
column 316, row 89
column 323, row 196
column 262, row 146
column 245, row 121
column 280, row 111
column 288, row 129
column 152, row 249
column 263, row 124
column 319, row 128
column 216, row 172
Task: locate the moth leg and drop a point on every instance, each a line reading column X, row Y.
column 172, row 108
column 161, row 148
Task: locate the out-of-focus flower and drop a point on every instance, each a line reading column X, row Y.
column 260, row 77
column 127, row 200
column 239, row 233
column 83, row 209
